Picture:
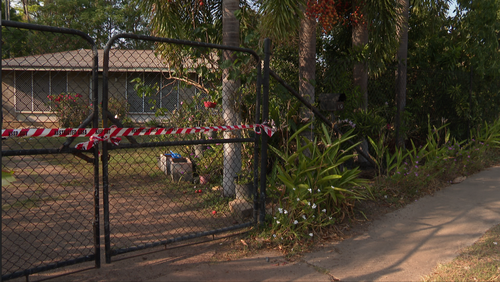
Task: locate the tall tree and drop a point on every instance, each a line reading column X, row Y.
column 307, row 66
column 201, row 20
column 101, row 19
column 230, row 86
column 282, row 20
column 359, row 41
column 401, row 72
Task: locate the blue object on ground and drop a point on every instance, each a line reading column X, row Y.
column 174, row 155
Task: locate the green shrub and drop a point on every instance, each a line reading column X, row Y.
column 317, row 191
column 70, row 108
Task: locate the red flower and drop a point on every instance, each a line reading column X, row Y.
column 209, row 104
column 58, row 99
column 214, row 212
column 78, row 95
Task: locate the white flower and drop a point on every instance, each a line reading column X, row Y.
column 314, row 206
column 310, row 190
column 280, row 210
column 333, row 187
column 277, row 222
column 298, row 199
column 319, row 190
column 314, row 216
column 303, row 216
column 310, row 234
column 323, row 210
column 308, row 203
column 274, row 235
column 330, row 218
column 293, row 188
column 295, row 221
column 285, row 212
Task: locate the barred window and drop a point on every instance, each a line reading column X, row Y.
column 33, row 87
column 167, row 95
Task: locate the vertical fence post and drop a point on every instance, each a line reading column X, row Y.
column 264, row 137
column 256, row 145
column 1, row 122
column 470, row 103
column 104, row 158
column 95, row 124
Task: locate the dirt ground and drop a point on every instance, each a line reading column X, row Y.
column 402, row 245
column 48, row 212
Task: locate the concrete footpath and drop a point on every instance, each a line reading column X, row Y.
column 404, row 245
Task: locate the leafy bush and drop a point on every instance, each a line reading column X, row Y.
column 71, row 108
column 317, row 191
column 417, row 171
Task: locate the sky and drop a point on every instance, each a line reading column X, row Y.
column 453, row 5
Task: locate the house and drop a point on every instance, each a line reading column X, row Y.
column 28, row 81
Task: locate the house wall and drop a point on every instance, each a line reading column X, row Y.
column 24, row 95
column 19, row 87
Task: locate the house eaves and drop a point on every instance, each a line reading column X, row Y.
column 81, row 60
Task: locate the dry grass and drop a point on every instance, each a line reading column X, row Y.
column 479, row 262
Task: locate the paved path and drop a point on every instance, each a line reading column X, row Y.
column 407, row 244
column 404, row 245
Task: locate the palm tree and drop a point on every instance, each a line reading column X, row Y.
column 401, row 57
column 178, row 19
column 232, row 152
column 307, row 66
column 360, row 75
column 283, row 19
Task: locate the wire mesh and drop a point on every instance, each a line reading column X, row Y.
column 169, row 187
column 48, row 211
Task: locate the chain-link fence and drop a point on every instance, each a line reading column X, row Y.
column 184, row 164
column 49, row 211
column 170, row 187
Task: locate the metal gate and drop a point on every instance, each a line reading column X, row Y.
column 179, row 177
column 189, row 116
column 50, row 213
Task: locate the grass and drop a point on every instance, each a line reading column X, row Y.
column 479, row 262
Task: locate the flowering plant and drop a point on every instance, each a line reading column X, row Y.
column 71, row 108
column 316, row 191
column 192, row 113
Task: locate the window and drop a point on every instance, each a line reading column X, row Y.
column 33, row 87
column 167, row 97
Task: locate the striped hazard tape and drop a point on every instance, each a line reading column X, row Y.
column 112, row 134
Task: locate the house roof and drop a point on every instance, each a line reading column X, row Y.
column 81, row 60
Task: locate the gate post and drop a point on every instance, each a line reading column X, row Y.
column 264, row 137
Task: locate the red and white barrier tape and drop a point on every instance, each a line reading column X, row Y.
column 107, row 134
column 94, row 140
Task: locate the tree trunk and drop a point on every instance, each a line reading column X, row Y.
column 360, row 77
column 360, row 71
column 401, row 72
column 307, row 69
column 25, row 10
column 232, row 152
column 7, row 10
